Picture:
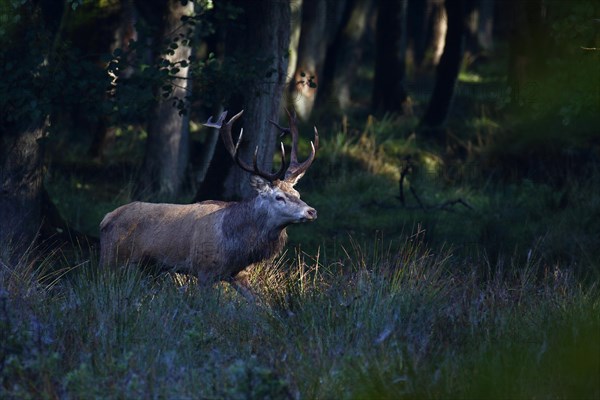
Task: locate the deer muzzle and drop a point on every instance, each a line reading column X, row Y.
column 310, row 214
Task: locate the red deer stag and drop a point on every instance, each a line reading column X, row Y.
column 214, row 240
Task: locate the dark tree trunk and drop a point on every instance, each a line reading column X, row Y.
column 388, row 88
column 344, row 56
column 125, row 32
column 449, row 66
column 22, row 140
column 213, row 185
column 212, row 160
column 167, row 146
column 21, row 180
column 261, row 34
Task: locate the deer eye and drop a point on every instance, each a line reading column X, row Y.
column 280, row 198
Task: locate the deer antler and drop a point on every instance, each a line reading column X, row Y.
column 295, row 170
column 225, row 133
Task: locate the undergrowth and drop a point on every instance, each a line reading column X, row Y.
column 383, row 321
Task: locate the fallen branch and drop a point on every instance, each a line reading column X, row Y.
column 446, row 206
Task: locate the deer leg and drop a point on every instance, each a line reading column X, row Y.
column 241, row 284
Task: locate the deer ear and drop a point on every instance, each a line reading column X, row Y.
column 259, row 184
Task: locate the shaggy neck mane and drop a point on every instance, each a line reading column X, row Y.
column 247, row 232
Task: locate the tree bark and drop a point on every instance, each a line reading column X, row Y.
column 344, row 56
column 21, row 180
column 262, row 34
column 449, row 66
column 312, row 48
column 388, row 88
column 426, row 27
column 485, row 25
column 21, row 139
column 478, row 32
column 167, row 146
column 103, row 133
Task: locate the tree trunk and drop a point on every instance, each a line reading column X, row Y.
column 312, row 48
column 388, row 88
column 478, row 32
column 449, row 66
column 426, row 30
column 21, row 139
column 485, row 25
column 21, row 180
column 344, row 56
column 167, row 146
column 104, row 134
column 262, row 34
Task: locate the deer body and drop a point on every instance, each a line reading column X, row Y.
column 212, row 240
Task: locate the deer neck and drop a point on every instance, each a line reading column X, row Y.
column 247, row 230
column 263, row 219
column 254, row 223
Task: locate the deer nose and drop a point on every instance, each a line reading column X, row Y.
column 311, row 214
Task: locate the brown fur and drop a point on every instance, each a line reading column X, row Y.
column 212, row 240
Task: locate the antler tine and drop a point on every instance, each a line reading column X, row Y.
column 226, row 137
column 294, row 131
column 274, row 176
column 219, row 122
column 295, row 169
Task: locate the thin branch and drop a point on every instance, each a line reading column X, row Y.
column 414, row 193
column 405, row 169
column 446, row 206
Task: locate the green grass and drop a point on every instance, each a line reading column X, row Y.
column 384, row 321
column 354, row 185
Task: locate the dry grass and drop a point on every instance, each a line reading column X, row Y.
column 385, row 321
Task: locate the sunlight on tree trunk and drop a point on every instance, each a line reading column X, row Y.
column 426, row 32
column 296, row 14
column 344, row 56
column 448, row 68
column 311, row 56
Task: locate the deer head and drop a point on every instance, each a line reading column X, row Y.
column 275, row 191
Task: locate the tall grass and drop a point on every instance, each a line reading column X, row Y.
column 382, row 321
